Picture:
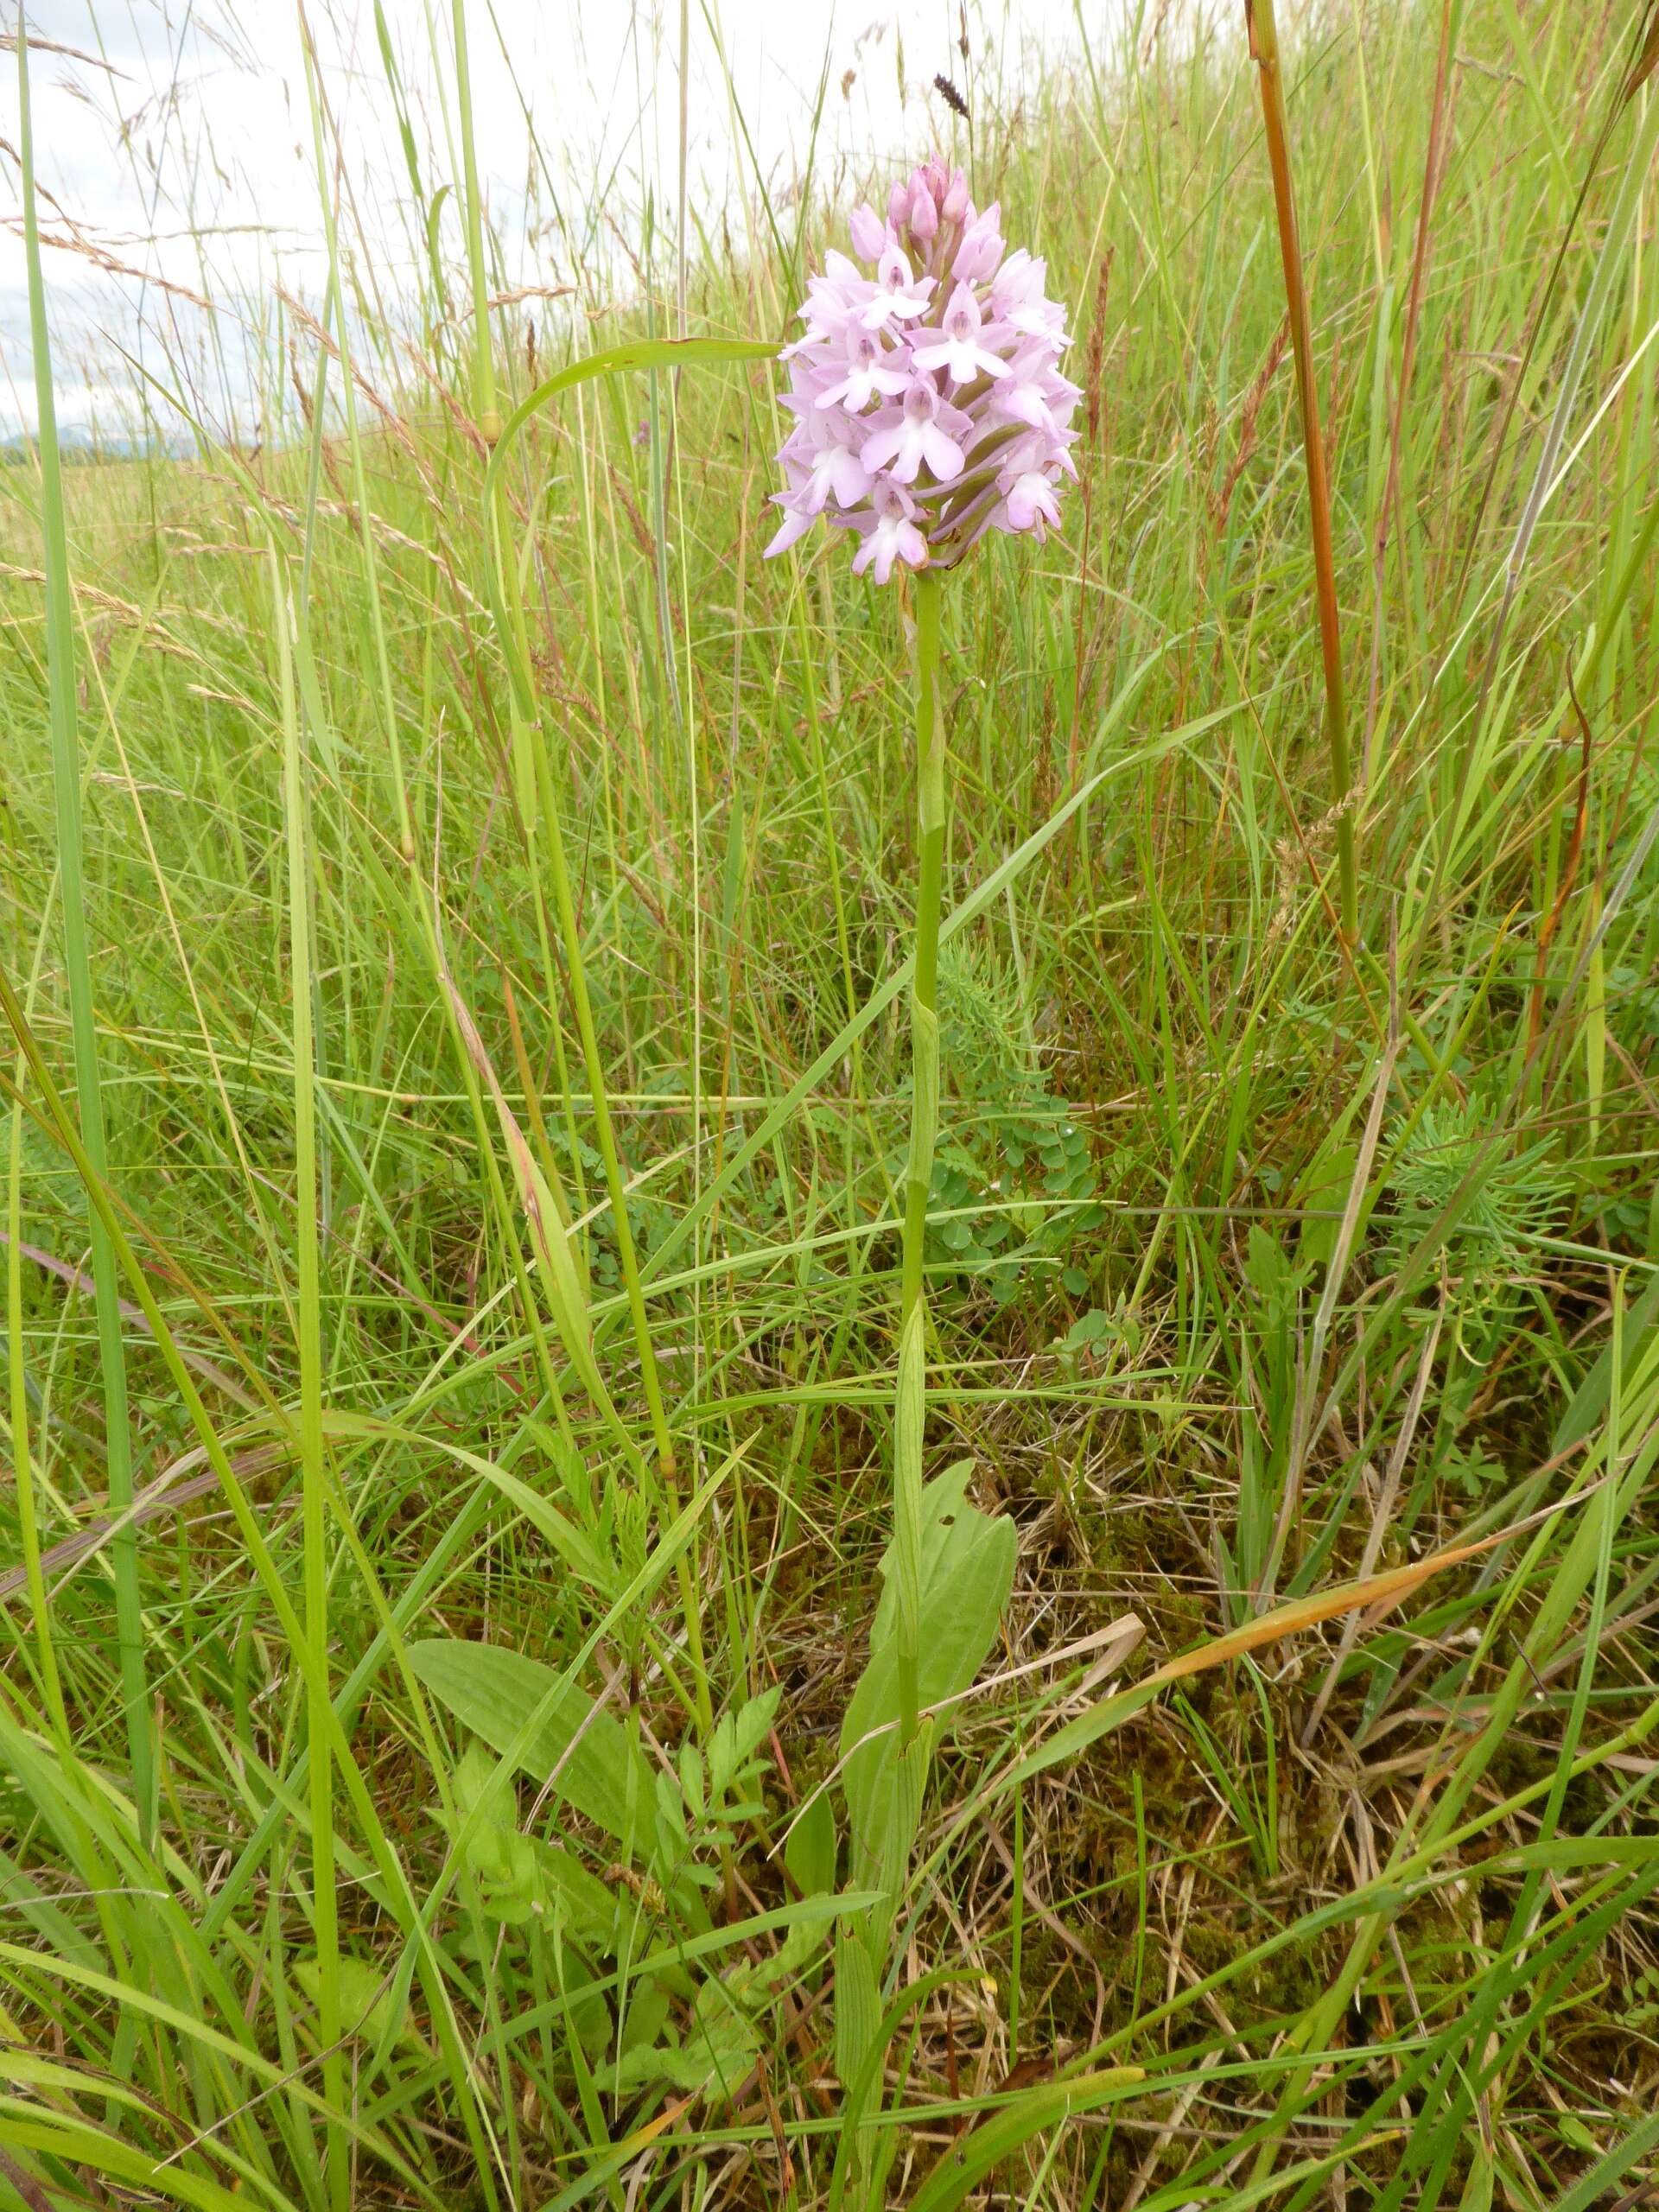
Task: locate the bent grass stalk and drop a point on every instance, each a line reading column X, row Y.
column 627, row 1255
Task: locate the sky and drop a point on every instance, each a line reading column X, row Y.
column 176, row 141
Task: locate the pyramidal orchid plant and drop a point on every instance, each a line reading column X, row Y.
column 928, row 410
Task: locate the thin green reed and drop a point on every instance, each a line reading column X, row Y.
column 29, row 1540
column 89, row 1094
column 484, row 401
column 312, row 1466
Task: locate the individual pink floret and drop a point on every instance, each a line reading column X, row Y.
column 899, row 294
column 889, row 533
column 906, row 439
column 963, row 352
column 870, row 369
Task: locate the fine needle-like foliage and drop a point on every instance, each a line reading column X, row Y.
column 834, row 1381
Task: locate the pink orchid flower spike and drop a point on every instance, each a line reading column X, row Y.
column 928, row 401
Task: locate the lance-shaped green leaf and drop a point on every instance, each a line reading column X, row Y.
column 967, row 1560
column 497, row 1693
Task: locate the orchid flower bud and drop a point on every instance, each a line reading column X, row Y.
column 980, row 250
column 868, row 237
column 924, row 216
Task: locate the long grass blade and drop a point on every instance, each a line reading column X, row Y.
column 68, row 771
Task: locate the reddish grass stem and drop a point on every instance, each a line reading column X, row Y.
column 1264, row 51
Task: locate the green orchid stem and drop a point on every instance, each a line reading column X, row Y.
column 912, row 1405
column 924, row 990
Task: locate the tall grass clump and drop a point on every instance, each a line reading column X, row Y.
column 834, row 1381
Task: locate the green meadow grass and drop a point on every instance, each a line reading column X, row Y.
column 453, row 949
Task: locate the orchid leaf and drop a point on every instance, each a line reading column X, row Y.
column 495, row 1693
column 967, row 1560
